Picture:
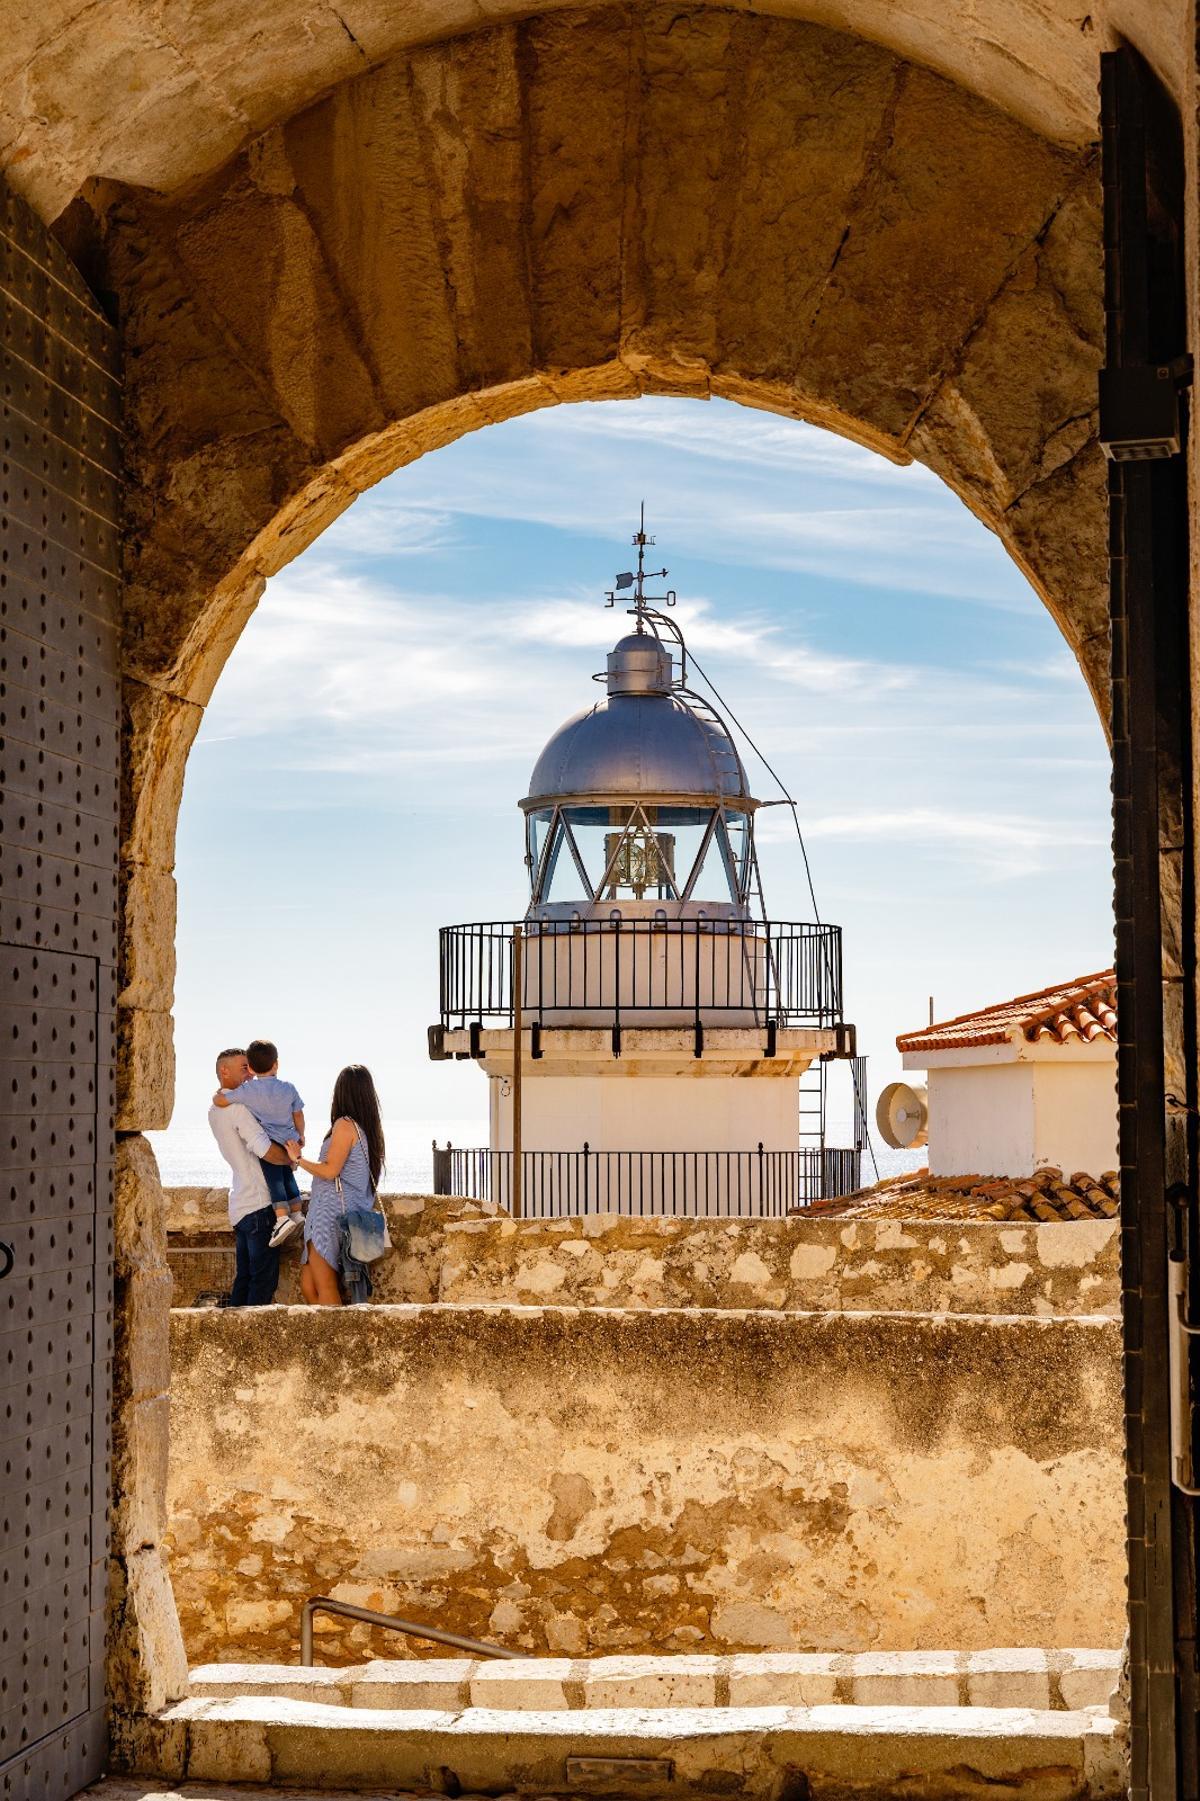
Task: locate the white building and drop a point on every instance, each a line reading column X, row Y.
column 666, row 1022
column 1023, row 1085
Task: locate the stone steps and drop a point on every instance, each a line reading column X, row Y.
column 1066, row 1680
column 835, row 1751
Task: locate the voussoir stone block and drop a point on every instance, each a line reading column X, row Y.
column 145, row 1070
column 147, row 938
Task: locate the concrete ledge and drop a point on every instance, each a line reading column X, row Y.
column 946, row 1753
column 1066, row 1680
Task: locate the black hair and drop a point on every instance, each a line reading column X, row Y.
column 354, row 1097
column 261, row 1055
column 228, row 1056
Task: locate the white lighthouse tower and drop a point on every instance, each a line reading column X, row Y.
column 664, row 1021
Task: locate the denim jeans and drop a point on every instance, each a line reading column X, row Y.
column 282, row 1185
column 257, row 1270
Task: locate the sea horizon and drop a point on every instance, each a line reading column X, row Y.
column 188, row 1156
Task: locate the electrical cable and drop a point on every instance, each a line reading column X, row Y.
column 860, row 1099
column 775, row 777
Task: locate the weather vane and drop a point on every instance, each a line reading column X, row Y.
column 636, row 579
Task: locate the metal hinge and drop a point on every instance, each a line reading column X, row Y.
column 1139, row 410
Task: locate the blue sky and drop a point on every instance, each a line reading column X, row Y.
column 355, row 781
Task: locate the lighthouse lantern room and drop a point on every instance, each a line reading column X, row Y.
column 666, row 1024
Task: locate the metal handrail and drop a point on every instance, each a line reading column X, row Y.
column 391, row 1623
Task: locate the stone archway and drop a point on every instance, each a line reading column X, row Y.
column 591, row 205
column 582, row 207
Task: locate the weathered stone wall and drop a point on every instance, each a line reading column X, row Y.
column 455, row 1251
column 581, row 1481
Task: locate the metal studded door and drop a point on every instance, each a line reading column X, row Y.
column 59, row 771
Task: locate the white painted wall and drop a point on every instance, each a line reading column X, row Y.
column 981, row 1120
column 1075, row 1116
column 1012, row 1118
column 649, row 1113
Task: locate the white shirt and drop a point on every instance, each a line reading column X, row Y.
column 241, row 1141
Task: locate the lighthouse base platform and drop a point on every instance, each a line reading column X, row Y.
column 576, row 1091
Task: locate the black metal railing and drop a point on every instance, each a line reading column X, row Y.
column 682, row 1184
column 614, row 971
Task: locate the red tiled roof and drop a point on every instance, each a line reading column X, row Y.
column 1085, row 1008
column 1045, row 1196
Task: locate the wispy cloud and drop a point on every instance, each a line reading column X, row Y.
column 911, row 691
column 743, row 488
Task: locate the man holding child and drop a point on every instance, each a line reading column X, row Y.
column 246, row 1147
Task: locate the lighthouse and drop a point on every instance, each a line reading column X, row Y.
column 647, row 1028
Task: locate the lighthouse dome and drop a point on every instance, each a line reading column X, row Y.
column 643, row 740
column 651, row 746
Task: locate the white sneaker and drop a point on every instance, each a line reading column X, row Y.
column 290, row 1223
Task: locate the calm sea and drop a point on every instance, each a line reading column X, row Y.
column 188, row 1157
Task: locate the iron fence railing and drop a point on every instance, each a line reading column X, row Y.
column 691, row 1184
column 614, row 971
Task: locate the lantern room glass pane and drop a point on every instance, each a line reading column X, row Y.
column 737, row 827
column 562, row 881
column 537, row 827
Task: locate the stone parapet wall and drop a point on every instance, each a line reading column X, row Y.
column 585, row 1481
column 449, row 1250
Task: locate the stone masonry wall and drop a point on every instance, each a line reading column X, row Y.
column 456, row 1251
column 574, row 1481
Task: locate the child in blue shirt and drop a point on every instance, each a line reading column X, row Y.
column 277, row 1107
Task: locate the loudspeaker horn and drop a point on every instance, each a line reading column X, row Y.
column 902, row 1115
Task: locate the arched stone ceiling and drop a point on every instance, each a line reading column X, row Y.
column 704, row 202
column 159, row 93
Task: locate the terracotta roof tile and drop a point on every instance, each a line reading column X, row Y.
column 1044, row 1197
column 1085, row 1008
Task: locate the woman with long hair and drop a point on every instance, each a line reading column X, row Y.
column 346, row 1177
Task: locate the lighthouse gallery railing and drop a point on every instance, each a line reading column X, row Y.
column 696, row 1184
column 712, row 971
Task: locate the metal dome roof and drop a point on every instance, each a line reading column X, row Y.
column 639, row 746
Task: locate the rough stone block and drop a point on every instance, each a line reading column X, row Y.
column 782, row 1679
column 145, row 1070
column 147, row 1665
column 235, row 1681
column 228, row 1750
column 1019, row 1678
column 1087, row 1678
column 891, row 1679
column 143, row 1336
column 537, row 1685
column 444, row 1683
column 140, row 1447
column 650, row 1682
column 147, row 938
column 158, row 731
column 139, row 1208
